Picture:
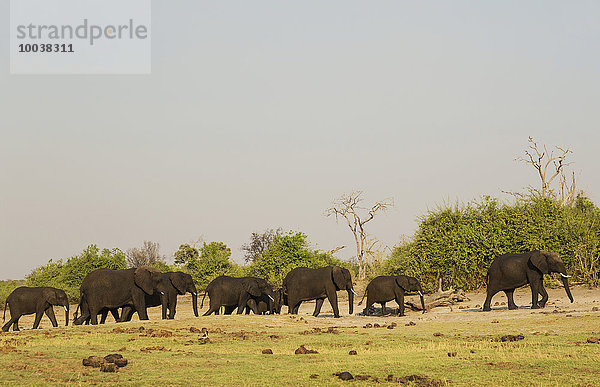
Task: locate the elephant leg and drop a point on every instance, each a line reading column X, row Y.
column 332, row 297
column 50, row 313
column 38, row 318
column 535, row 289
column 544, row 295
column 12, row 321
column 242, row 302
column 511, row 300
column 251, row 305
column 214, row 308
column 103, row 316
column 318, row 305
column 400, row 301
column 488, row 300
column 139, row 303
column 382, row 308
column 172, row 308
column 115, row 314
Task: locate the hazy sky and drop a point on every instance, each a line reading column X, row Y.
column 259, row 113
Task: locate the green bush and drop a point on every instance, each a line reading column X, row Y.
column 458, row 243
column 211, row 261
column 286, row 252
column 69, row 274
column 6, row 288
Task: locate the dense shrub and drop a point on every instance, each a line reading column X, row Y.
column 211, row 261
column 458, row 243
column 6, row 288
column 286, row 252
column 67, row 275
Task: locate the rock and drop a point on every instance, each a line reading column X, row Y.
column 451, row 354
column 410, row 324
column 389, row 378
column 438, row 334
column 495, row 321
column 314, row 376
column 353, row 352
column 267, row 351
column 121, row 362
column 595, row 309
column 593, row 340
column 195, row 330
column 362, row 377
column 109, row 367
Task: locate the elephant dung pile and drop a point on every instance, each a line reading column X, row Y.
column 108, row 363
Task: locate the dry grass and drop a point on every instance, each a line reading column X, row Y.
column 553, row 352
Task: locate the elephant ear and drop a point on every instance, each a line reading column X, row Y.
column 143, row 279
column 540, row 261
column 51, row 296
column 178, row 282
column 338, row 277
column 402, row 281
column 252, row 288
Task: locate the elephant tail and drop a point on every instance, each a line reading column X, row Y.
column 361, row 300
column 202, row 303
column 78, row 306
column 4, row 314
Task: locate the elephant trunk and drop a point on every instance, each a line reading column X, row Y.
column 195, row 303
column 422, row 301
column 350, row 301
column 66, row 314
column 565, row 282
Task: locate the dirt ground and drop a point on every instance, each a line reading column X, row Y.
column 586, row 301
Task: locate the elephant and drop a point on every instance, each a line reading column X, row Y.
column 236, row 292
column 109, row 289
column 510, row 271
column 386, row 288
column 305, row 284
column 27, row 300
column 175, row 283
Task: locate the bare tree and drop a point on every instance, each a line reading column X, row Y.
column 348, row 207
column 550, row 166
column 148, row 254
column 259, row 243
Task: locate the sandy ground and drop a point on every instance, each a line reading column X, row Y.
column 586, row 301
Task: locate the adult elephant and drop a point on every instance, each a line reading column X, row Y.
column 106, row 289
column 305, row 284
column 174, row 284
column 386, row 288
column 510, row 271
column 39, row 300
column 236, row 292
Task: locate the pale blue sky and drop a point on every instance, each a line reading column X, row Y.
column 258, row 114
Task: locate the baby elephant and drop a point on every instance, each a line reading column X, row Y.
column 386, row 288
column 26, row 300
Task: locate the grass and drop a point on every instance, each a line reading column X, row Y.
column 554, row 351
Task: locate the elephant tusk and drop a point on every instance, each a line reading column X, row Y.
column 162, row 294
column 353, row 292
column 272, row 299
column 66, row 310
column 195, row 294
column 420, row 294
column 564, row 275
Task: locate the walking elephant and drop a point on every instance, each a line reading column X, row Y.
column 106, row 289
column 304, row 284
column 26, row 300
column 386, row 288
column 174, row 284
column 510, row 271
column 232, row 292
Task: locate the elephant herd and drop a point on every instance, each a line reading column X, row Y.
column 104, row 291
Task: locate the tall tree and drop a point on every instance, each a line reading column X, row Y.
column 147, row 255
column 348, row 206
column 259, row 243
